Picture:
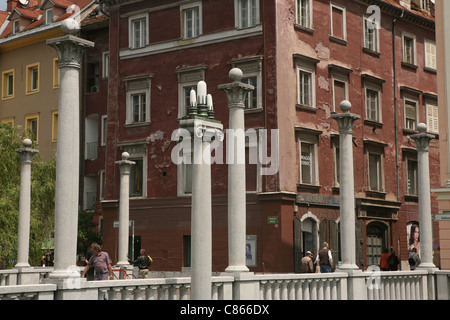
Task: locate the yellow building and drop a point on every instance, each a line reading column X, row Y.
column 29, row 67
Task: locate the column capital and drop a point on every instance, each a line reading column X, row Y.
column 237, row 90
column 70, row 50
column 125, row 164
column 27, row 153
column 346, row 119
column 422, row 138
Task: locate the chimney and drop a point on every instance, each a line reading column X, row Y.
column 11, row 4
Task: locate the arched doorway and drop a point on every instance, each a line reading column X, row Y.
column 377, row 239
column 305, row 237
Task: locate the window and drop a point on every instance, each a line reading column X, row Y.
column 432, row 116
column 252, row 69
column 138, row 171
column 15, row 26
column 104, row 129
column 339, row 93
column 304, row 13
column 373, row 105
column 48, row 16
column 308, row 156
column 371, row 35
column 56, row 73
column 338, row 22
column 430, row 54
column 187, row 80
column 55, row 126
column 32, row 78
column 138, row 31
column 139, row 107
column 410, row 114
column 93, row 77
column 252, row 161
column 138, row 100
column 105, row 65
column 247, row 13
column 375, row 169
column 336, row 150
column 32, row 126
column 411, row 174
column 136, row 178
column 409, row 49
column 192, row 20
column 306, row 78
column 8, row 84
column 90, row 192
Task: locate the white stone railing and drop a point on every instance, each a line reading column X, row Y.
column 318, row 286
column 397, row 285
column 384, row 285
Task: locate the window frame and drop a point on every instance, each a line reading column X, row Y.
column 379, row 108
column 407, row 100
column 365, row 36
column 427, row 56
column 339, row 78
column 30, row 77
column 408, row 159
column 432, row 118
column 251, row 68
column 46, row 16
column 197, row 29
column 413, row 60
column 311, row 139
column 344, row 21
column 138, row 152
column 140, row 85
column 187, row 77
column 105, row 64
column 28, row 124
column 308, row 12
column 252, row 21
column 379, row 153
column 144, row 33
column 55, row 126
column 6, row 85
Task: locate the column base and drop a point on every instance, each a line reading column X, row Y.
column 347, row 267
column 22, row 265
column 427, row 266
column 232, row 269
column 123, row 263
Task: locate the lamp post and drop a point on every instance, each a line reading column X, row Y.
column 204, row 128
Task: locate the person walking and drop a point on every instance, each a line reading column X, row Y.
column 324, row 259
column 393, row 261
column 101, row 262
column 143, row 262
column 306, row 263
column 384, row 260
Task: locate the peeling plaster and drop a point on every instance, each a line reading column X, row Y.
column 323, row 53
column 323, row 83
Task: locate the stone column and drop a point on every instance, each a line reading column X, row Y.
column 236, row 93
column 70, row 52
column 201, row 124
column 124, row 208
column 422, row 140
column 345, row 122
column 26, row 155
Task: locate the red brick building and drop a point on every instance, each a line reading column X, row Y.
column 303, row 57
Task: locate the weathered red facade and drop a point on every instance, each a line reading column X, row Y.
column 287, row 215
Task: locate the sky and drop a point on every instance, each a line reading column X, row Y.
column 3, row 5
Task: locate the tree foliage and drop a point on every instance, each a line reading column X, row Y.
column 42, row 206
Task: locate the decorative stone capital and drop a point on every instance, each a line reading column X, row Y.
column 236, row 91
column 27, row 153
column 125, row 164
column 207, row 130
column 346, row 119
column 70, row 50
column 422, row 138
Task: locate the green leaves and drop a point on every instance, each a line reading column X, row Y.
column 42, row 198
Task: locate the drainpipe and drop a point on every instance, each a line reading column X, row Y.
column 394, row 66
